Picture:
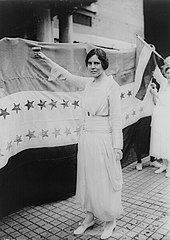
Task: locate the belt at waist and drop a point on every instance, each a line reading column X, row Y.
column 97, row 124
column 90, row 115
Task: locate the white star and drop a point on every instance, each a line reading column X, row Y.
column 67, row 131
column 56, row 132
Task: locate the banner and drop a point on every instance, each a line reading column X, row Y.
column 35, row 113
column 137, row 105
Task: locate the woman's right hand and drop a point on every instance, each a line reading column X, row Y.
column 40, row 55
column 118, row 153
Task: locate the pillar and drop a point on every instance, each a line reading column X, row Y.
column 65, row 28
column 44, row 25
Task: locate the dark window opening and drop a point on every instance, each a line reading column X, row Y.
column 82, row 19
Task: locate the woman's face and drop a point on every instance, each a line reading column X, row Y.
column 94, row 66
column 167, row 74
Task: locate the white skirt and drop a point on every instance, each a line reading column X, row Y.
column 99, row 175
column 160, row 133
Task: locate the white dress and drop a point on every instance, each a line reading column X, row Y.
column 160, row 124
column 99, row 175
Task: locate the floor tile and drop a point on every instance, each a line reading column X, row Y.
column 146, row 202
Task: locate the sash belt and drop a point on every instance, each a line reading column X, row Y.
column 89, row 115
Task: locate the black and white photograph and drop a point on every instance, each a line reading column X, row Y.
column 84, row 119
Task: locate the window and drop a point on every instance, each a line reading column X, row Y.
column 82, row 19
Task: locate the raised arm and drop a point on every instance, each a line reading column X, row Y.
column 159, row 77
column 60, row 73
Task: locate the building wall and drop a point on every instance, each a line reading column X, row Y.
column 113, row 19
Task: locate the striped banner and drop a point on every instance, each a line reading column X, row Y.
column 36, row 113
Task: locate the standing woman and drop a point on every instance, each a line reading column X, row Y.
column 99, row 174
column 160, row 125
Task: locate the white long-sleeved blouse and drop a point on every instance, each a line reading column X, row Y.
column 98, row 101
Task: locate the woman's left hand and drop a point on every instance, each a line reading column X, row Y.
column 118, row 153
column 153, row 89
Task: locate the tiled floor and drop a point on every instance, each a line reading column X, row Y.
column 146, row 201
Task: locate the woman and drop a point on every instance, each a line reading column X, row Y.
column 99, row 174
column 160, row 126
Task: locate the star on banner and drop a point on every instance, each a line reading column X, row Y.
column 9, row 146
column 133, row 113
column 65, row 103
column 77, row 130
column 4, row 113
column 67, row 131
column 141, row 109
column 44, row 133
column 18, row 139
column 1, row 155
column 129, row 93
column 122, row 95
column 29, row 104
column 30, row 134
column 42, row 104
column 16, row 107
column 56, row 132
column 53, row 104
column 75, row 103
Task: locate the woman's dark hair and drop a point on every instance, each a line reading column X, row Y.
column 164, row 69
column 101, row 56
